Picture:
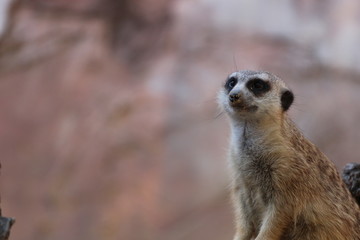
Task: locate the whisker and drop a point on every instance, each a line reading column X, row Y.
column 235, row 64
column 218, row 115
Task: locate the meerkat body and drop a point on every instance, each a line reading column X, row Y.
column 283, row 187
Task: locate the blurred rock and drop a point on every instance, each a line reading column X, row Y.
column 329, row 28
column 107, row 112
column 4, row 9
column 138, row 29
column 66, row 5
column 351, row 177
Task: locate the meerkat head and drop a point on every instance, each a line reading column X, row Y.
column 253, row 95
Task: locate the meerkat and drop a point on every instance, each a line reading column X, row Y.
column 283, row 186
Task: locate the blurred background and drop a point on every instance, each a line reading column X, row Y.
column 108, row 108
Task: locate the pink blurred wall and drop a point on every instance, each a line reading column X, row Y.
column 107, row 108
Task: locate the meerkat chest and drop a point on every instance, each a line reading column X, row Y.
column 252, row 185
column 253, row 166
column 255, row 175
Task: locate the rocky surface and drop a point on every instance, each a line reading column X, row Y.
column 351, row 177
column 108, row 113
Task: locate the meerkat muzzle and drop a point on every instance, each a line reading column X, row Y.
column 234, row 97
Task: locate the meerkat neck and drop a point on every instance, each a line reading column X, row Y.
column 264, row 130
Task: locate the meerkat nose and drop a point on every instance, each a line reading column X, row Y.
column 234, row 97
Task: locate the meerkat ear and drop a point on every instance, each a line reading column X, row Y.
column 287, row 98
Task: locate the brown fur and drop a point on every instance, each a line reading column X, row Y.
column 283, row 186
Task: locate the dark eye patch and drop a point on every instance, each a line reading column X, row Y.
column 258, row 86
column 230, row 83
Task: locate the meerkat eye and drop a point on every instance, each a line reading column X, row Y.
column 258, row 86
column 230, row 83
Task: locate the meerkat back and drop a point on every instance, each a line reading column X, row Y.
column 283, row 186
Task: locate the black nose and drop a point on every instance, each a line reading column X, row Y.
column 234, row 97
